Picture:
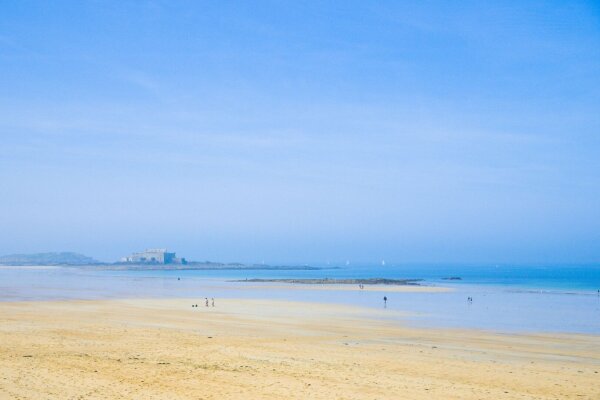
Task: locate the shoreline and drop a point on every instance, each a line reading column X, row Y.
column 439, row 304
column 377, row 316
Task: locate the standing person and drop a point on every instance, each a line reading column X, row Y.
column 385, row 301
column 206, row 301
column 213, row 301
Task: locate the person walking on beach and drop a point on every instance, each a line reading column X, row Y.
column 212, row 301
column 206, row 301
column 385, row 301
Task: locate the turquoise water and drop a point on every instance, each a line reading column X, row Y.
column 505, row 298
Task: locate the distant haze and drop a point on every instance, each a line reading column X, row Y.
column 302, row 131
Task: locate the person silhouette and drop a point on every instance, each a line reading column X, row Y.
column 212, row 301
column 384, row 301
column 206, row 301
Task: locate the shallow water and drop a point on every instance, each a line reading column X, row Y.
column 501, row 302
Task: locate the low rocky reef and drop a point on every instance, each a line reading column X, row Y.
column 328, row 281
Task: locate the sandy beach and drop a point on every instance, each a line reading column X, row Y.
column 252, row 349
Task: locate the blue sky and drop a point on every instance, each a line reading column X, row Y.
column 250, row 131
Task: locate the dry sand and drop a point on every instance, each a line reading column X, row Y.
column 243, row 349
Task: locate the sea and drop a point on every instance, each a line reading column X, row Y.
column 505, row 298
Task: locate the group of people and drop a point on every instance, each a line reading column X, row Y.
column 212, row 302
column 469, row 299
column 212, row 299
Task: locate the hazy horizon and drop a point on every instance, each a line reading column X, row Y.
column 434, row 132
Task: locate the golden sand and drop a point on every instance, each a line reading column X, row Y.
column 247, row 349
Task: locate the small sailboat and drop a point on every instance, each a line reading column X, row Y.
column 383, row 263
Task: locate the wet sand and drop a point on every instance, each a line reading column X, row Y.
column 251, row 349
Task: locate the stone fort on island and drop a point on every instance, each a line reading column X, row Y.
column 153, row 256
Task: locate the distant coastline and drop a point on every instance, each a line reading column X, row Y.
column 76, row 260
column 47, row 259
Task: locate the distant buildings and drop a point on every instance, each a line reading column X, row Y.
column 154, row 256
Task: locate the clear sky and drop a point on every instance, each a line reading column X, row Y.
column 302, row 131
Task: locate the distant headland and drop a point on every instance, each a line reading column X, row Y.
column 149, row 259
column 50, row 258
